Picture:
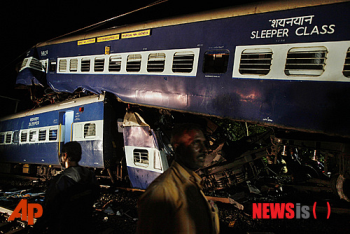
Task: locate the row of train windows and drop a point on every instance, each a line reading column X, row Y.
column 41, row 135
column 28, row 136
column 307, row 61
column 182, row 63
column 300, row 61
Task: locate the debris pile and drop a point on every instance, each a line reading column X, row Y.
column 116, row 210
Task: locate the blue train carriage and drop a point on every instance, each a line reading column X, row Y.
column 279, row 63
column 35, row 137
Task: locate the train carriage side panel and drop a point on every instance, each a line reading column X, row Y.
column 31, row 139
column 287, row 98
column 144, row 160
column 88, row 128
column 36, row 137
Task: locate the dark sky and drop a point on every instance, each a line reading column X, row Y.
column 25, row 23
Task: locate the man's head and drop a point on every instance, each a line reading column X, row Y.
column 189, row 145
column 71, row 152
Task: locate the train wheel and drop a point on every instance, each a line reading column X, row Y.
column 42, row 171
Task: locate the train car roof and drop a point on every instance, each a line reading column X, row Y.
column 58, row 106
column 253, row 8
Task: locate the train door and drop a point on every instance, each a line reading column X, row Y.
column 144, row 160
column 69, row 116
column 66, row 121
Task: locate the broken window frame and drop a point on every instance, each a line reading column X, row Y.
column 216, row 61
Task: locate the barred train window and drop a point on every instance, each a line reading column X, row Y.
column 99, row 64
column 255, row 61
column 24, row 136
column 156, row 62
column 73, row 65
column 89, row 130
column 62, row 66
column 33, row 136
column 15, row 137
column 215, row 61
column 52, row 134
column 8, row 138
column 346, row 70
column 141, row 157
column 115, row 63
column 36, row 64
column 183, row 62
column 42, row 135
column 133, row 63
column 85, row 65
column 307, row 61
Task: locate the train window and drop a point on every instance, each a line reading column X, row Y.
column 36, row 64
column 15, row 137
column 85, row 65
column 141, row 157
column 308, row 61
column 156, row 62
column 33, row 136
column 62, row 66
column 255, row 61
column 133, row 63
column 115, row 63
column 73, row 65
column 52, row 66
column 183, row 62
column 215, row 61
column 42, row 135
column 2, row 138
column 89, row 130
column 24, row 136
column 99, row 64
column 24, row 63
column 8, row 138
column 52, row 134
column 346, row 70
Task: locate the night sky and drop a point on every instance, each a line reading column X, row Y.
column 26, row 23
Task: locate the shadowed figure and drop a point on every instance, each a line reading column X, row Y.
column 174, row 202
column 70, row 196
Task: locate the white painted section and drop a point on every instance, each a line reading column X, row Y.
column 156, row 161
column 169, row 55
column 333, row 70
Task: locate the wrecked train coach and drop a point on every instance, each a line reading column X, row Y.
column 280, row 64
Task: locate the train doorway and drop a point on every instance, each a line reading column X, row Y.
column 66, row 122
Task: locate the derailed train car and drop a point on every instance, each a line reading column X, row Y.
column 31, row 141
column 280, row 64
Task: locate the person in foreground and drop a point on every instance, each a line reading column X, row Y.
column 70, row 196
column 174, row 202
